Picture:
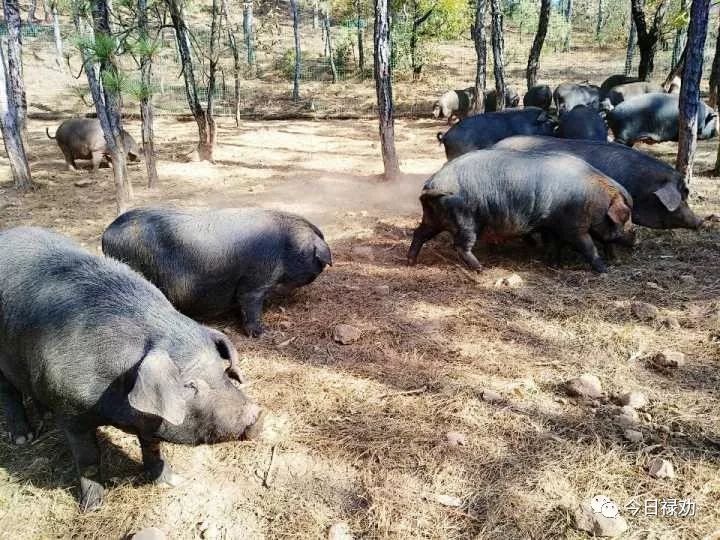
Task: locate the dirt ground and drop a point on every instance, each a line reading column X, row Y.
column 361, row 429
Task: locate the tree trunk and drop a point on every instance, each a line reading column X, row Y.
column 58, row 36
column 648, row 38
column 498, row 46
column 248, row 32
column 383, row 88
column 679, row 43
column 536, row 49
column 715, row 76
column 481, row 52
column 630, row 52
column 16, row 82
column 107, row 105
column 361, row 47
column 32, row 18
column 14, row 146
column 316, row 14
column 47, row 16
column 599, row 22
column 205, row 147
column 146, row 107
column 690, row 90
column 215, row 32
column 236, row 74
column 568, row 20
column 417, row 22
column 298, row 64
column 326, row 25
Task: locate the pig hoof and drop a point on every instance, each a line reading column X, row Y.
column 254, row 330
column 412, row 261
column 599, row 266
column 21, row 439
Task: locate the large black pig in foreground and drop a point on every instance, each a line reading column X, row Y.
column 95, row 344
column 503, row 193
column 484, row 130
column 209, row 262
column 659, row 192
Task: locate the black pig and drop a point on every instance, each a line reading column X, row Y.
column 95, row 344
column 503, row 193
column 209, row 262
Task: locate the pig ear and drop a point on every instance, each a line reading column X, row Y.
column 669, row 196
column 158, row 388
column 227, row 351
column 619, row 211
column 322, row 252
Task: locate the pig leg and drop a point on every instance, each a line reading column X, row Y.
column 251, row 306
column 553, row 249
column 15, row 416
column 465, row 240
column 69, row 160
column 586, row 247
column 85, row 451
column 97, row 158
column 421, row 235
column 156, row 468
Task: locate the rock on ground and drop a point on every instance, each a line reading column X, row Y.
column 455, row 438
column 512, row 281
column 661, row 468
column 595, row 523
column 491, row 396
column 628, row 417
column 346, row 334
column 634, row 399
column 585, row 386
column 149, row 533
column 669, row 359
column 633, row 436
column 644, row 311
column 340, row 531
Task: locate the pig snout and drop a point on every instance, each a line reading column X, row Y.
column 250, row 415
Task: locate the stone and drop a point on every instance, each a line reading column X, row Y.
column 381, row 290
column 628, row 417
column 644, row 311
column 448, row 500
column 455, row 438
column 491, row 396
column 599, row 523
column 661, row 468
column 688, row 279
column 149, row 533
column 512, row 281
column 669, row 359
column 633, row 435
column 285, row 325
column 585, row 386
column 84, row 183
column 340, row 531
column 346, row 334
column 634, row 399
column 671, row 323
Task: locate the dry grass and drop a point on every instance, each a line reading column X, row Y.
column 356, row 446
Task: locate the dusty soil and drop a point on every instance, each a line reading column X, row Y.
column 362, row 428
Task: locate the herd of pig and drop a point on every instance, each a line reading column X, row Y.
column 533, row 171
column 113, row 339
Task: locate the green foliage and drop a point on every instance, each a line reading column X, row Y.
column 99, row 49
column 145, row 47
column 115, row 81
column 343, row 54
column 285, row 64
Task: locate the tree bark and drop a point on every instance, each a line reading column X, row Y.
column 715, row 76
column 648, row 38
column 107, row 105
column 298, row 63
column 316, row 14
column 16, row 82
column 248, row 32
column 536, row 49
column 326, row 25
column 383, row 88
column 32, row 18
column 205, row 146
column 568, row 20
column 679, row 43
column 215, row 32
column 630, row 52
column 14, row 146
column 361, row 47
column 481, row 53
column 146, row 107
column 599, row 21
column 690, row 90
column 498, row 46
column 417, row 22
column 59, row 59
